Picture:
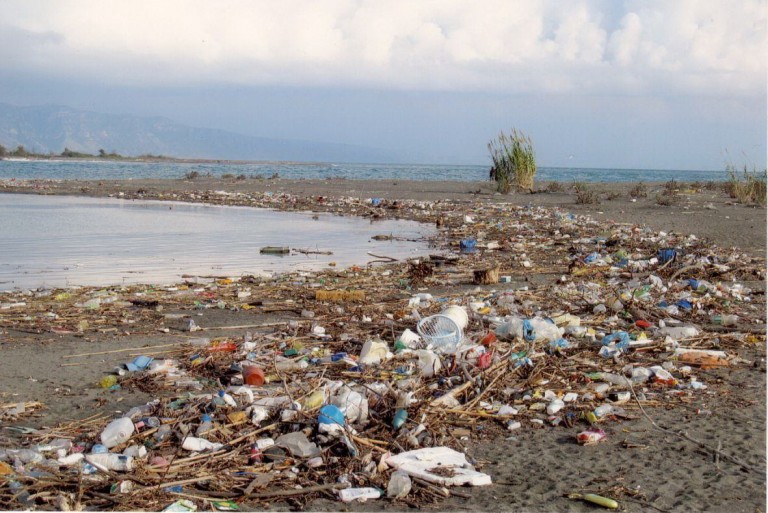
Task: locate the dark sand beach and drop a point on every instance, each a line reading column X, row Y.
column 533, row 469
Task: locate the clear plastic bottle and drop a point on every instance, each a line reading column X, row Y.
column 399, row 484
column 603, row 410
column 117, row 432
column 162, row 432
column 26, row 455
column 725, row 320
column 206, row 425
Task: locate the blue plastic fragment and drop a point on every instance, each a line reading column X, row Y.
column 467, row 244
column 621, row 339
column 529, row 333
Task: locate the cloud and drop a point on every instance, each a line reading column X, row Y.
column 585, row 47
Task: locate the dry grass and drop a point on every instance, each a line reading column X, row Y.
column 554, row 187
column 749, row 189
column 638, row 191
column 586, row 196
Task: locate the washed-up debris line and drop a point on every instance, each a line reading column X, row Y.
column 379, row 374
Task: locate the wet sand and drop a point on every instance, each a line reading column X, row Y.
column 533, row 469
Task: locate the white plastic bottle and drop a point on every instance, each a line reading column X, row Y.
column 228, row 399
column 352, row 494
column 110, row 461
column 117, row 432
column 192, row 443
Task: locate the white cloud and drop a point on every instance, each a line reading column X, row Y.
column 686, row 46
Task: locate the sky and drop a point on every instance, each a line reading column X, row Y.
column 595, row 83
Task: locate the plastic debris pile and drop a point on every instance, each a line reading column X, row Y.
column 368, row 388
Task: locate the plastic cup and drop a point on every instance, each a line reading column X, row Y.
column 458, row 315
column 253, row 375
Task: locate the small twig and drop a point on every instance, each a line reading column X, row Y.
column 300, row 491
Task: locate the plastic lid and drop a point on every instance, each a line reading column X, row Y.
column 221, row 393
column 206, row 418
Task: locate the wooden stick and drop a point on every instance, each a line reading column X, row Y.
column 301, row 491
column 119, row 350
column 244, row 326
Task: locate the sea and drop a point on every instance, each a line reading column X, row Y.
column 110, row 170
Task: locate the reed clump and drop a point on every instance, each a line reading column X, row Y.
column 514, row 161
column 749, row 188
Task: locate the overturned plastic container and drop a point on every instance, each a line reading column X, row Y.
column 441, row 333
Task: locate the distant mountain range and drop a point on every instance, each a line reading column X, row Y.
column 52, row 128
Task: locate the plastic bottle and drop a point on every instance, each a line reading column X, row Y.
column 536, row 329
column 99, row 449
column 162, row 432
column 110, row 461
column 725, row 320
column 26, row 455
column 603, row 410
column 139, row 411
column 352, row 494
column 399, row 484
column 71, row 460
column 148, row 423
column 228, row 399
column 206, row 425
column 401, row 416
column 192, row 443
column 117, row 432
column 288, row 365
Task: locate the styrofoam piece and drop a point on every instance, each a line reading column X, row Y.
column 419, row 462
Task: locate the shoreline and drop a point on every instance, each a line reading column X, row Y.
column 707, row 213
column 534, row 467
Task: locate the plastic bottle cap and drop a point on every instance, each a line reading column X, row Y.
column 206, row 418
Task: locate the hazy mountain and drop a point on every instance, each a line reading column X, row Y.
column 51, row 128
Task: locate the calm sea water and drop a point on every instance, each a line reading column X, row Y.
column 55, row 241
column 87, row 170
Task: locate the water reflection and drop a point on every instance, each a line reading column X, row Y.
column 59, row 241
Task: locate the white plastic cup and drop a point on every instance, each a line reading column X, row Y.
column 458, row 315
column 117, row 432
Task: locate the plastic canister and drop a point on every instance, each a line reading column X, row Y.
column 458, row 315
column 117, row 432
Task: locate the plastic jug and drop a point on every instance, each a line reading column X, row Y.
column 117, row 432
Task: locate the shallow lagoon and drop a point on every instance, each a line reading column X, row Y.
column 57, row 241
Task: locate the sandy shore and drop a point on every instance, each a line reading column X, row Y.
column 533, row 469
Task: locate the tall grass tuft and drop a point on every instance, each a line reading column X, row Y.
column 749, row 188
column 514, row 162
